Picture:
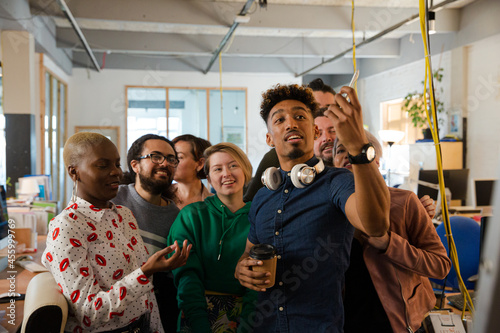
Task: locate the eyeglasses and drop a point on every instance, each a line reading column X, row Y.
column 158, row 159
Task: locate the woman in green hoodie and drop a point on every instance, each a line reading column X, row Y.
column 210, row 297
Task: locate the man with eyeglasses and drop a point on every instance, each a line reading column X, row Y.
column 151, row 161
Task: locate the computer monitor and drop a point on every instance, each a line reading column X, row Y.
column 454, row 179
column 483, row 192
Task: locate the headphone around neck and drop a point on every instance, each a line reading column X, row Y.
column 302, row 175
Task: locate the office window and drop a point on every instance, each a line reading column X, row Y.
column 174, row 111
column 54, row 129
column 393, row 118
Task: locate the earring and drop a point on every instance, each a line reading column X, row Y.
column 75, row 191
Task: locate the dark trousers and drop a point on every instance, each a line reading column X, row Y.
column 166, row 296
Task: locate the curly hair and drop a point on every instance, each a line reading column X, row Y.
column 198, row 146
column 280, row 93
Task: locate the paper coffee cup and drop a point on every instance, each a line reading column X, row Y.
column 267, row 254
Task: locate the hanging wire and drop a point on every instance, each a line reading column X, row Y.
column 221, row 105
column 433, row 125
column 353, row 44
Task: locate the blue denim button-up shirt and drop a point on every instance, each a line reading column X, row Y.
column 313, row 238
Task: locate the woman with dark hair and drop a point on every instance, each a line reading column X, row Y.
column 95, row 252
column 189, row 173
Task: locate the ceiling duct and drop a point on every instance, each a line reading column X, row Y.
column 224, row 41
column 79, row 33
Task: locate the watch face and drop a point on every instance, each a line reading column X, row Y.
column 370, row 153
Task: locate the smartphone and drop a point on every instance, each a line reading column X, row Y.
column 352, row 83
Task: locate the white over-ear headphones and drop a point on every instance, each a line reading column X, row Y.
column 301, row 175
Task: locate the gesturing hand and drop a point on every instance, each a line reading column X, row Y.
column 158, row 262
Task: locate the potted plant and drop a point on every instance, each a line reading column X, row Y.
column 414, row 104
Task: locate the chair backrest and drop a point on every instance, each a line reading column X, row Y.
column 45, row 307
column 466, row 233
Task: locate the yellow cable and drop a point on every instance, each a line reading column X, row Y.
column 221, row 108
column 435, row 135
column 353, row 44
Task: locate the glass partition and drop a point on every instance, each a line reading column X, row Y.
column 174, row 111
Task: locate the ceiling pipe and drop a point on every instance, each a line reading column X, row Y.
column 377, row 36
column 224, row 41
column 79, row 33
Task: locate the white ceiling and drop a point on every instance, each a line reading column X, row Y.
column 284, row 36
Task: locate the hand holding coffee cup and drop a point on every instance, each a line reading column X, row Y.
column 267, row 254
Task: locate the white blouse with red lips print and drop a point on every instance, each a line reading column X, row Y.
column 95, row 256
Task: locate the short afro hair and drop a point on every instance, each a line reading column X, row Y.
column 280, row 93
column 76, row 147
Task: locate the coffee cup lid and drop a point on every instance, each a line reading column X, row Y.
column 262, row 251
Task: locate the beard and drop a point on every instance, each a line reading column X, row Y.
column 155, row 186
column 295, row 153
column 327, row 160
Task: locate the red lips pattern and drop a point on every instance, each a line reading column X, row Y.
column 142, row 279
column 117, row 275
column 84, row 271
column 64, row 264
column 75, row 244
column 98, row 303
column 100, row 260
column 123, row 293
column 92, row 237
column 115, row 314
column 55, row 233
column 86, row 321
column 75, row 295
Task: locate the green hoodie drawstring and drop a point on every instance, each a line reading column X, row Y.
column 221, row 241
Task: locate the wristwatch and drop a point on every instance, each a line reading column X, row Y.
column 367, row 155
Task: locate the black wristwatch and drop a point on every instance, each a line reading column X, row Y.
column 367, row 155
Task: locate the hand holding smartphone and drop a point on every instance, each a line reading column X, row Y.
column 352, row 83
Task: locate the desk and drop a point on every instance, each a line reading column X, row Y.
column 22, row 279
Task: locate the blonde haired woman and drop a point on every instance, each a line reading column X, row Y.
column 210, row 298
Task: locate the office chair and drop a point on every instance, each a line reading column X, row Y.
column 466, row 233
column 45, row 307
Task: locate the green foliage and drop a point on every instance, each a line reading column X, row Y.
column 414, row 102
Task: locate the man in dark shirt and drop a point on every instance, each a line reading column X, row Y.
column 311, row 225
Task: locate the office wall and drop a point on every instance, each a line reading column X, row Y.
column 482, row 107
column 472, row 84
column 98, row 99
